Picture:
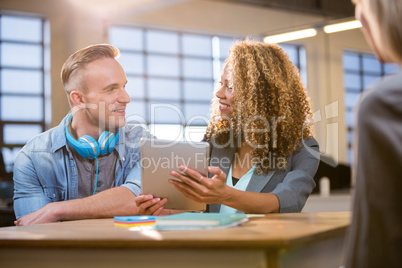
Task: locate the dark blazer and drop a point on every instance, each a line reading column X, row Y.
column 292, row 186
column 375, row 238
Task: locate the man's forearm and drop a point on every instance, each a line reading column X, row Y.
column 109, row 203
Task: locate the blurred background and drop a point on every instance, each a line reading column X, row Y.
column 172, row 52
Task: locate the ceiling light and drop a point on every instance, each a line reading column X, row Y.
column 290, row 36
column 342, row 26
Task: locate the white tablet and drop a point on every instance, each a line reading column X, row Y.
column 160, row 157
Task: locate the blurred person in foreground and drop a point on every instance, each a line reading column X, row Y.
column 375, row 237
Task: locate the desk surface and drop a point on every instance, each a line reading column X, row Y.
column 274, row 230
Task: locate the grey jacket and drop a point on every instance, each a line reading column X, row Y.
column 292, row 186
column 375, row 238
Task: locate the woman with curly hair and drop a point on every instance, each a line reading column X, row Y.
column 263, row 156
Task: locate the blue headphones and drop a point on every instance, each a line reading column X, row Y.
column 88, row 147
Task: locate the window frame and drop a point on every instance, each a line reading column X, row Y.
column 44, row 69
column 362, row 73
column 216, row 60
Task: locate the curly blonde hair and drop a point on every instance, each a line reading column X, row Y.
column 271, row 110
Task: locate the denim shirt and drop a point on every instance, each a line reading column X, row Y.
column 45, row 170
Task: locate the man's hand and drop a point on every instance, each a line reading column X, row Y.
column 46, row 214
column 149, row 205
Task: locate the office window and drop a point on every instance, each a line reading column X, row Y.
column 24, row 82
column 297, row 54
column 361, row 71
column 171, row 76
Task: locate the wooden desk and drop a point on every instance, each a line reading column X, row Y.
column 277, row 240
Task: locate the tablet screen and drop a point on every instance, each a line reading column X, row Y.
column 160, row 157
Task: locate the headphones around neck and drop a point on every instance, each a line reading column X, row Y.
column 88, row 147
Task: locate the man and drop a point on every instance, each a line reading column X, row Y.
column 83, row 168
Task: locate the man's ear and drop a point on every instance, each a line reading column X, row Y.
column 76, row 98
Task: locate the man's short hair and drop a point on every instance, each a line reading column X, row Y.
column 71, row 71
